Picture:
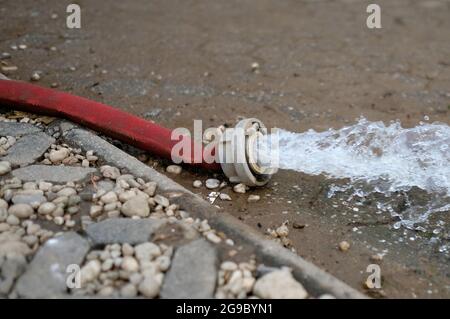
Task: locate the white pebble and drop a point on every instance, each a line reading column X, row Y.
column 130, row 264
column 224, row 196
column 5, row 167
column 212, row 183
column 240, row 188
column 253, row 198
column 173, row 169
column 197, row 184
column 21, row 210
column 149, row 287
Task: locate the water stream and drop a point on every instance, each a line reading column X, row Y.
column 373, row 158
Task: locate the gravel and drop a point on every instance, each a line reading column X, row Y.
column 21, row 210
column 253, row 198
column 173, row 169
column 212, row 183
column 197, row 184
column 279, row 284
column 136, row 206
column 5, row 167
column 240, row 188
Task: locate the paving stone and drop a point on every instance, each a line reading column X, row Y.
column 28, row 149
column 123, row 230
column 55, row 174
column 17, row 129
column 193, row 273
column 46, row 275
column 10, row 269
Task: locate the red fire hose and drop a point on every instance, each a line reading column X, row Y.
column 97, row 116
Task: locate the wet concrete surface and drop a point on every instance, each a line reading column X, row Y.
column 319, row 67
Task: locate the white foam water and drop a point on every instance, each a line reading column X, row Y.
column 385, row 158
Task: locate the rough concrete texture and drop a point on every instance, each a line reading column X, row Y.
column 17, row 129
column 200, row 258
column 28, row 149
column 56, row 174
column 122, row 230
column 46, row 276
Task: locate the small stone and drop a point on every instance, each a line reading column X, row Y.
column 22, row 46
column 90, row 271
column 126, row 195
column 30, row 240
column 253, row 198
column 56, row 156
column 95, row 211
column 127, row 250
column 113, row 214
column 135, row 278
column 130, row 264
column 163, row 262
column 70, row 223
column 150, row 188
column 212, row 183
column 109, row 197
column 197, row 184
column 44, row 186
column 110, row 172
column 4, row 227
column 279, row 284
column 3, row 214
column 224, row 196
column 240, row 188
column 344, row 245
column 32, row 229
column 58, row 220
column 13, row 220
column 106, row 291
column 147, row 251
column 161, row 200
column 9, row 68
column 149, row 287
column 136, row 206
column 298, row 225
column 13, row 247
column 35, row 76
column 33, row 200
column 283, row 230
column 128, row 291
column 376, row 257
column 73, row 200
column 3, row 203
column 67, row 191
column 212, row 237
column 5, row 167
column 109, row 207
column 21, row 210
column 327, row 296
column 229, row 266
column 255, row 66
column 173, row 169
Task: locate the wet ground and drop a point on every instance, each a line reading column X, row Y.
column 319, row 67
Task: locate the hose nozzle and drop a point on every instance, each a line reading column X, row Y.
column 236, row 153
